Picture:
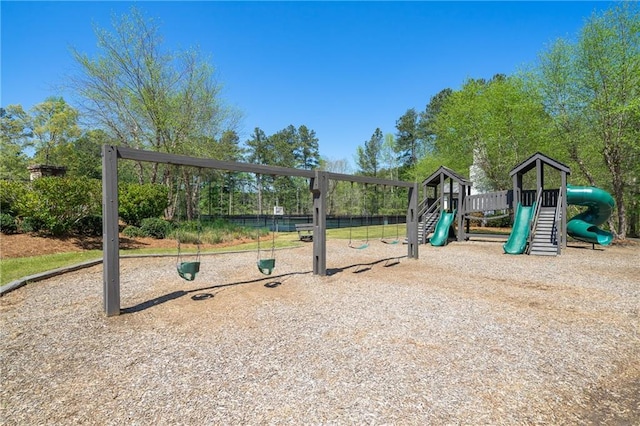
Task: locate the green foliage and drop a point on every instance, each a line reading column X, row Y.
column 369, row 156
column 408, row 138
column 214, row 232
column 591, row 89
column 32, row 224
column 11, row 193
column 493, row 124
column 54, row 123
column 14, row 132
column 149, row 96
column 133, row 232
column 155, row 227
column 138, row 202
column 8, row 224
column 56, row 205
column 89, row 225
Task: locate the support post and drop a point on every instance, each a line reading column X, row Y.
column 462, row 191
column 412, row 223
column 442, row 179
column 319, row 187
column 563, row 212
column 517, row 190
column 110, row 239
column 539, row 175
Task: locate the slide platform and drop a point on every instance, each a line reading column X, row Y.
column 600, row 205
column 517, row 241
column 441, row 233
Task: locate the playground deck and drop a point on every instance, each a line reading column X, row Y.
column 504, row 340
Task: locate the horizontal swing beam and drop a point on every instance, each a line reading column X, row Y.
column 236, row 166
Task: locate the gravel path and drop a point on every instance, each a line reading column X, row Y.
column 464, row 335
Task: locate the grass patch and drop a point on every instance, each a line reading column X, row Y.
column 374, row 232
column 15, row 268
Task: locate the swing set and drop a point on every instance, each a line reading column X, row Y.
column 188, row 266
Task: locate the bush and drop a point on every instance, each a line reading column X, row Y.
column 55, row 205
column 155, row 227
column 8, row 224
column 138, row 202
column 10, row 195
column 504, row 222
column 132, row 232
column 31, row 224
column 89, row 225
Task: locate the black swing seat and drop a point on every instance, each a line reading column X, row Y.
column 266, row 266
column 188, row 270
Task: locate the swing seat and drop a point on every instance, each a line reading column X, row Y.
column 392, row 242
column 360, row 247
column 266, row 266
column 188, row 270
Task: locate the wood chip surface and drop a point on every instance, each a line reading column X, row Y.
column 463, row 335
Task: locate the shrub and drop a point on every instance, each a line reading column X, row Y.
column 133, row 232
column 8, row 224
column 10, row 195
column 89, row 225
column 504, row 222
column 138, row 202
column 155, row 227
column 54, row 205
column 31, row 224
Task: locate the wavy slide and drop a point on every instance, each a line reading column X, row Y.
column 517, row 241
column 584, row 226
column 441, row 233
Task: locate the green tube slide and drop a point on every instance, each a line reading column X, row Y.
column 584, row 226
column 517, row 241
column 441, row 233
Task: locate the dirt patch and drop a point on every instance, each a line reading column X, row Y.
column 25, row 245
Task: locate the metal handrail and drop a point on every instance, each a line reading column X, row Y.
column 534, row 223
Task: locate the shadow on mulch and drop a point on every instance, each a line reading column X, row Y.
column 204, row 293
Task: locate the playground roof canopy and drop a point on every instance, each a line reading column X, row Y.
column 434, row 179
column 530, row 164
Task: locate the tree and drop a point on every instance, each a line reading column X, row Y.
column 493, row 124
column 426, row 130
column 148, row 97
column 14, row 131
column 307, row 152
column 54, row 123
column 82, row 157
column 408, row 139
column 368, row 157
column 591, row 88
column 388, row 158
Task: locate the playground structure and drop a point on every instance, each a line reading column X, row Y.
column 540, row 224
column 318, row 185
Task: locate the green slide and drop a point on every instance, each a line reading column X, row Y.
column 584, row 226
column 517, row 241
column 441, row 233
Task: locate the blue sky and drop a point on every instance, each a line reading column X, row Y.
column 340, row 68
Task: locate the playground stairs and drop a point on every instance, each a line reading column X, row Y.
column 427, row 225
column 544, row 242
